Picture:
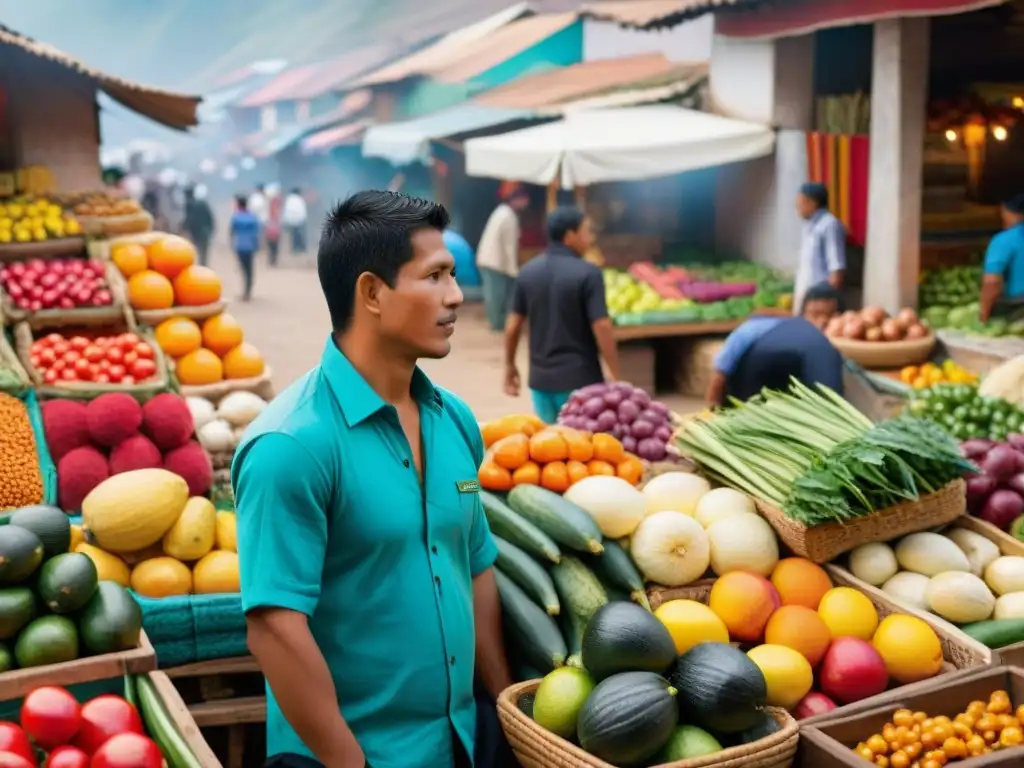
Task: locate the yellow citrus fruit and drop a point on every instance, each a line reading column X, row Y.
column 691, row 623
column 788, row 674
column 910, row 648
column 848, row 613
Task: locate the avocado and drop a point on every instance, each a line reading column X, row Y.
column 67, row 582
column 21, row 552
column 48, row 523
column 111, row 621
column 6, row 658
column 17, row 608
column 47, row 640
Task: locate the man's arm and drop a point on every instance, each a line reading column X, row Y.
column 997, row 260
column 991, row 290
column 835, row 253
column 509, row 239
column 715, row 395
column 601, row 323
column 281, row 581
column 726, row 361
column 513, row 331
column 491, row 662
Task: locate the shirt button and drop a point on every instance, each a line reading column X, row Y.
column 451, row 660
column 437, row 580
column 406, row 463
column 434, row 550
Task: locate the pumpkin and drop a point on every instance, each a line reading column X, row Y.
column 194, row 532
column 221, row 334
column 511, row 452
column 196, row 285
column 198, row 368
column 170, row 255
column 132, row 510
column 607, row 448
column 130, row 258
column 555, row 477
column 216, row 573
column 243, row 362
column 547, row 446
column 178, row 336
column 494, row 477
column 527, row 473
column 598, row 467
column 161, row 577
column 150, row 290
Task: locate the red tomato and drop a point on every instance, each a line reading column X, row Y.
column 13, row 760
column 128, row 750
column 103, row 717
column 47, row 356
column 144, row 351
column 143, row 369
column 71, row 357
column 115, row 355
column 93, row 353
column 130, row 358
column 115, row 373
column 67, row 757
column 50, row 715
column 50, row 376
column 14, row 740
column 79, row 343
column 128, row 381
column 83, row 369
column 68, row 374
column 60, row 348
column 52, row 338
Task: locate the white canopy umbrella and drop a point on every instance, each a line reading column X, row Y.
column 619, row 144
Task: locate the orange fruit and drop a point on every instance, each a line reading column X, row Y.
column 195, row 286
column 744, row 601
column 178, row 336
column 170, row 255
column 221, row 334
column 150, row 290
column 800, row 582
column 243, row 362
column 799, row 628
column 199, row 367
column 129, row 258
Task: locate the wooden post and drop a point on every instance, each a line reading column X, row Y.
column 580, row 193
column 552, row 195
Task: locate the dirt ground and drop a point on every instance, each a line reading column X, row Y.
column 288, row 321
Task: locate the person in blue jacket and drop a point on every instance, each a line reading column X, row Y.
column 245, row 240
column 1002, row 287
column 766, row 351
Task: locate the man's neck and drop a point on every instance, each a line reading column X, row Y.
column 389, row 375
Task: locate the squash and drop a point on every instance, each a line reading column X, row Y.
column 628, row 718
column 725, row 690
column 548, row 446
column 1005, row 574
column 133, row 510
column 873, row 563
column 623, row 637
column 511, row 452
column 960, row 597
column 930, row 554
column 161, row 577
column 1009, row 606
column 108, row 567
column 908, row 588
column 980, row 551
column 608, row 448
column 528, row 473
column 216, row 573
column 616, row 506
column 678, row 491
column 670, row 548
column 555, row 477
column 195, row 531
column 239, row 409
column 226, row 531
column 493, row 477
column 746, row 543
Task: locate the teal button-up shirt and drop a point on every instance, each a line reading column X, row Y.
column 333, row 522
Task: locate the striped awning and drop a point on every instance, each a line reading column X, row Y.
column 347, row 134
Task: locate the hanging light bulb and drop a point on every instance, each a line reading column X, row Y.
column 951, row 135
column 999, row 133
column 1018, row 102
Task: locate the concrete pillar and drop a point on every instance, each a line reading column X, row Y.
column 899, row 86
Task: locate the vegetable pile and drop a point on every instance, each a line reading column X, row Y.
column 819, row 459
column 21, row 482
column 108, row 731
column 949, row 298
column 874, row 324
column 966, row 413
column 930, row 374
column 54, row 605
column 56, row 284
column 627, row 412
column 996, row 494
column 105, row 359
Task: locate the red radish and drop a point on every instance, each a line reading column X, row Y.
column 104, row 717
column 50, row 715
column 979, row 488
column 1002, row 462
column 128, row 750
column 14, row 740
column 67, row 757
column 1002, row 508
column 812, row 704
column 852, row 670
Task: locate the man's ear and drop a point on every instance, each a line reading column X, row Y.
column 368, row 288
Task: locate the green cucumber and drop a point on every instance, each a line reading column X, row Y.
column 615, row 567
column 130, row 694
column 160, row 726
column 996, row 633
column 573, row 627
column 533, row 631
column 528, row 574
column 581, row 595
column 565, row 522
column 515, row 529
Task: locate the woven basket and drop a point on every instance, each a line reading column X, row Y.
column 260, row 385
column 101, row 249
column 535, row 747
column 113, row 226
column 153, row 317
column 46, row 249
column 696, row 368
column 822, row 543
column 86, row 316
column 886, row 354
column 18, row 382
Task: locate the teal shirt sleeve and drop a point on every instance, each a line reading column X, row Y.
column 482, row 549
column 281, row 500
column 999, row 254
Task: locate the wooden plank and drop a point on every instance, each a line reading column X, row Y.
column 183, row 720
column 663, row 330
column 210, row 714
column 232, row 666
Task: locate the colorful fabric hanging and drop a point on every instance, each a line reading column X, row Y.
column 840, row 162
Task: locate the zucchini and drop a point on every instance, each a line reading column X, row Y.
column 615, row 568
column 129, row 690
column 573, row 627
column 581, row 595
column 565, row 522
column 162, row 729
column 528, row 574
column 996, row 633
column 533, row 631
column 516, row 530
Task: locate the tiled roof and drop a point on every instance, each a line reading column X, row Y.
column 340, row 135
column 651, row 14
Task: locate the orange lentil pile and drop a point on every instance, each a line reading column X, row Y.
column 915, row 740
column 21, row 482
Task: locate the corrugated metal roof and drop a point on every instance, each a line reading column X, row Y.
column 337, row 73
column 651, row 14
column 576, row 81
column 348, row 134
column 175, row 110
column 280, row 88
column 651, row 93
column 445, row 51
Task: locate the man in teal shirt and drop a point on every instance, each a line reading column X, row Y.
column 365, row 555
column 1002, row 287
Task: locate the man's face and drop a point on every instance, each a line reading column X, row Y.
column 418, row 314
column 1010, row 219
column 805, row 206
column 582, row 240
column 820, row 311
column 519, row 202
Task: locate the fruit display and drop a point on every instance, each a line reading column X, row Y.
column 163, row 273
column 209, row 352
column 930, row 374
column 966, row 413
column 875, row 324
column 21, row 479
column 130, row 729
column 949, row 299
column 219, row 427
column 996, row 492
column 143, row 529
column 54, row 605
column 100, row 204
column 30, row 219
column 522, row 450
column 58, row 283
column 916, row 739
column 94, row 356
column 628, row 297
column 626, row 412
column 113, row 434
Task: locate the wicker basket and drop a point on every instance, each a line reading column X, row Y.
column 85, row 316
column 536, row 747
column 260, row 385
column 101, row 249
column 153, row 317
column 46, row 249
column 822, row 543
column 696, row 367
column 113, row 226
column 886, row 354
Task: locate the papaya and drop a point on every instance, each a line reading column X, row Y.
column 108, row 567
column 227, row 537
column 133, row 510
column 161, row 577
column 194, row 532
column 216, row 573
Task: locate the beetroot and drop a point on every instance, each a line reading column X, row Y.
column 65, row 427
column 1001, row 463
column 137, row 452
column 191, row 463
column 78, row 473
column 112, row 418
column 1002, row 508
column 167, row 421
column 979, row 488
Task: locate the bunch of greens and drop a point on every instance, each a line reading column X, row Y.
column 820, row 459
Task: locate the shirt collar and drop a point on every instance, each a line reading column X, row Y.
column 357, row 398
column 560, row 249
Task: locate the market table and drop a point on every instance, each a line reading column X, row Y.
column 980, row 353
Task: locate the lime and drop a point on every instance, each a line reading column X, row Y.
column 560, row 698
column 688, row 741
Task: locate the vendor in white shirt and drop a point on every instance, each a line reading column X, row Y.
column 497, row 256
column 295, row 217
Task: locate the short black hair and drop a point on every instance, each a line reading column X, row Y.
column 369, row 232
column 818, row 193
column 562, row 221
column 242, row 202
column 1015, row 204
column 823, row 292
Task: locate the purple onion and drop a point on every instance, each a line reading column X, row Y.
column 612, row 398
column 641, row 398
column 642, row 428
column 660, row 408
column 1016, row 483
column 979, row 488
column 1016, row 440
column 591, row 390
column 628, row 411
column 590, row 425
column 976, row 447
column 651, row 449
column 663, row 433
column 593, row 407
column 619, row 431
column 606, row 420
column 623, row 387
column 629, row 443
column 1002, row 508
column 649, row 414
column 1002, row 462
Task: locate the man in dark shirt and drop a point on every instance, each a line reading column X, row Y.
column 563, row 298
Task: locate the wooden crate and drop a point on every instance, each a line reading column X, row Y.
column 183, row 720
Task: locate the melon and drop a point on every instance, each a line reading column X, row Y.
column 133, row 510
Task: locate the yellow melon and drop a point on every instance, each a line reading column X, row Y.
column 194, row 532
column 162, row 577
column 216, row 573
column 108, row 567
column 133, row 510
column 227, row 536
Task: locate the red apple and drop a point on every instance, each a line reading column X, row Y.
column 852, row 670
column 812, row 704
